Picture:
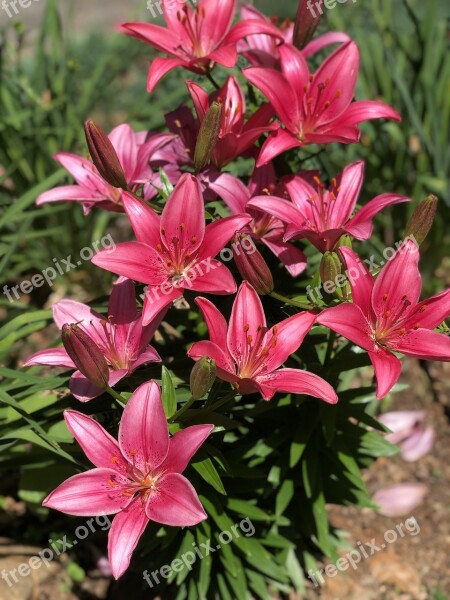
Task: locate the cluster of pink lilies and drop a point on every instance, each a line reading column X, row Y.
column 139, row 477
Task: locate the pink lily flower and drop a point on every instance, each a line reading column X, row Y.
column 409, row 432
column 138, row 479
column 235, row 136
column 400, row 499
column 173, row 251
column 121, row 336
column 315, row 109
column 196, row 38
column 263, row 227
column 252, row 355
column 135, row 151
column 323, row 216
column 262, row 50
column 386, row 315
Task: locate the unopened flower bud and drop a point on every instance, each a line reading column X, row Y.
column 86, row 355
column 422, row 219
column 208, row 136
column 306, row 22
column 203, row 375
column 251, row 265
column 104, row 156
column 344, row 241
column 330, row 267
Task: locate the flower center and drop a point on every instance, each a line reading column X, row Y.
column 256, row 351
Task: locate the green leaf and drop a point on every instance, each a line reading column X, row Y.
column 169, row 398
column 208, row 472
column 284, row 496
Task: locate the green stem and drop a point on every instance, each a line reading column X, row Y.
column 221, row 402
column 212, row 80
column 291, row 302
column 182, row 410
column 331, row 340
column 119, row 399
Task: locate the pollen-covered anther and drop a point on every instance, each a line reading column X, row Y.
column 274, row 342
column 114, row 459
column 193, row 239
column 402, row 331
column 387, row 313
column 318, row 182
column 249, row 339
column 159, row 247
column 246, row 327
column 385, row 297
column 182, row 227
column 111, row 483
column 423, row 308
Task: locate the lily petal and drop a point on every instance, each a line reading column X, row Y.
column 133, row 260
column 183, row 220
column 361, row 225
column 54, row 357
column 143, row 431
column 289, row 335
column 247, row 319
column 98, row 445
column 279, row 93
column 424, row 344
column 211, row 350
column 398, row 285
column 159, row 69
column 126, row 530
column 219, row 233
column 361, row 282
column 213, row 278
column 175, row 503
column 183, row 445
column 349, row 321
column 387, row 370
column 144, row 221
column 88, row 494
column 296, row 381
column 215, row 321
column 401, row 499
column 70, row 311
column 278, row 142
